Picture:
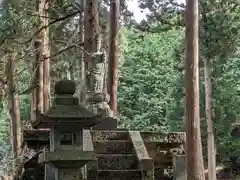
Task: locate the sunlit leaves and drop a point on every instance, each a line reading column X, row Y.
column 146, row 79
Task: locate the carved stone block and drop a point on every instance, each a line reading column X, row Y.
column 102, row 109
column 97, row 72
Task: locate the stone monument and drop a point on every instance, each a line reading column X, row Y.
column 96, row 96
column 66, row 120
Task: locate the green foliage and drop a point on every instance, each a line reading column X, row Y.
column 151, row 87
column 145, row 91
column 226, row 97
column 219, row 44
column 219, row 29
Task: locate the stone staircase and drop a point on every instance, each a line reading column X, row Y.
column 118, row 154
column 117, row 159
column 123, row 154
column 163, row 148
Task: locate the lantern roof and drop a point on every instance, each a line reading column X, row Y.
column 66, row 110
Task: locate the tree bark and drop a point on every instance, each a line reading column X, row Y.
column 14, row 113
column 46, row 53
column 208, row 115
column 113, row 54
column 91, row 35
column 81, row 58
column 38, row 73
column 38, row 68
column 88, row 29
column 195, row 168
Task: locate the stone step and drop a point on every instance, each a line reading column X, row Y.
column 163, row 138
column 126, row 147
column 113, row 147
column 152, row 140
column 154, row 145
column 117, row 162
column 168, row 153
column 119, row 175
column 110, row 135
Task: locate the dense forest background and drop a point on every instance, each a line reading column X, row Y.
column 150, row 76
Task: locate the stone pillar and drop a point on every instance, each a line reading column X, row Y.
column 179, row 167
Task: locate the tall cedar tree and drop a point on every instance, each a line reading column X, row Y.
column 41, row 94
column 14, row 112
column 91, row 34
column 46, row 56
column 195, row 168
column 208, row 115
column 37, row 97
column 113, row 54
column 81, row 58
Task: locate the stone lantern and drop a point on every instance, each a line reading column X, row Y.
column 66, row 120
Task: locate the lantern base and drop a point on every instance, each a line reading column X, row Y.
column 70, row 159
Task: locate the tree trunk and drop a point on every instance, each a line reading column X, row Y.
column 208, row 115
column 88, row 30
column 38, row 72
column 38, row 68
column 81, row 58
column 113, row 54
column 14, row 112
column 195, row 168
column 46, row 53
column 91, row 35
